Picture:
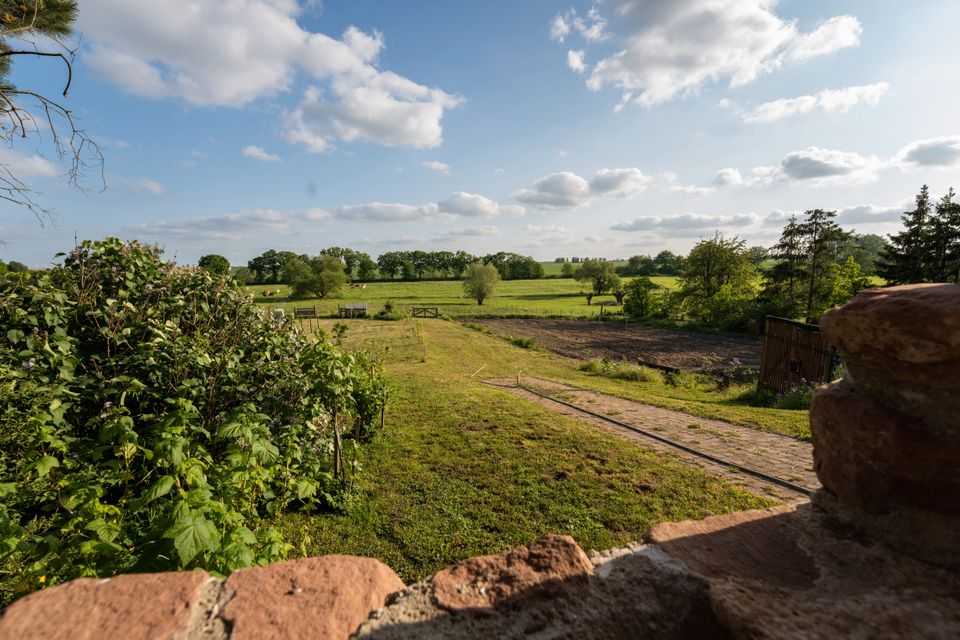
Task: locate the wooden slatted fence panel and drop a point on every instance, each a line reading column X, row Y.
column 794, row 353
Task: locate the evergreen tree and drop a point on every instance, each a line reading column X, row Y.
column 788, row 272
column 902, row 261
column 943, row 241
column 825, row 242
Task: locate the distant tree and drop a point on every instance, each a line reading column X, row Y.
column 567, row 270
column 845, row 280
column 243, row 275
column 3, row 268
column 865, row 249
column 825, row 241
column 784, row 280
column 461, row 260
column 267, row 267
column 366, row 268
column 215, row 264
column 389, row 264
column 480, row 281
column 758, row 255
column 599, row 275
column 943, row 241
column 903, row 260
column 640, row 297
column 641, row 266
column 320, row 276
column 408, row 270
column 668, row 263
column 719, row 284
column 714, row 263
column 17, row 267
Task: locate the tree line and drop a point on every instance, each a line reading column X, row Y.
column 814, row 266
column 274, row 267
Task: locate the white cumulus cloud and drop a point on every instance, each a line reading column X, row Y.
column 26, row 166
column 828, row 100
column 232, row 52
column 472, row 205
column 941, row 152
column 259, row 153
column 567, row 190
column 675, row 47
column 575, row 61
column 434, row 165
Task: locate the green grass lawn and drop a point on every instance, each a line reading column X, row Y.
column 559, row 297
column 464, row 469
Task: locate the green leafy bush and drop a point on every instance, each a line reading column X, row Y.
column 153, row 418
column 622, row 371
column 522, row 342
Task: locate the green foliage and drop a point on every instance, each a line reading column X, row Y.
column 243, row 275
column 17, row 267
column 153, row 419
column 480, row 281
column 902, row 261
column 719, row 283
column 215, row 264
column 600, row 275
column 642, row 299
column 621, row 371
column 317, row 277
column 523, row 342
column 512, row 266
column 389, row 312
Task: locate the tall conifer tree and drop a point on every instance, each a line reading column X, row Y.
column 902, row 260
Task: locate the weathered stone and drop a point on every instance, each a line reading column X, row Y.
column 549, row 565
column 758, row 545
column 158, row 605
column 877, row 459
column 325, row 597
column 901, row 347
column 631, row 592
column 797, row 573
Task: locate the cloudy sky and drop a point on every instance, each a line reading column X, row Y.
column 604, row 128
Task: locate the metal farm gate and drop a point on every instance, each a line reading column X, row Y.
column 794, row 353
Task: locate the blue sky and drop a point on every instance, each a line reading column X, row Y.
column 553, row 129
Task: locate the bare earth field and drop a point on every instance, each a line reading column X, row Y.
column 669, row 347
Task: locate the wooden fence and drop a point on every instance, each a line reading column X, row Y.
column 794, row 353
column 426, row 312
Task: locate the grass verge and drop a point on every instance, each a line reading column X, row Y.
column 465, row 469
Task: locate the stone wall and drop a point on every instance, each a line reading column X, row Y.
column 876, row 555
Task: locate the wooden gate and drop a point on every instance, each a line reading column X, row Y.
column 794, row 353
column 426, row 312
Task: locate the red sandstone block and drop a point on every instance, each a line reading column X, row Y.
column 134, row 606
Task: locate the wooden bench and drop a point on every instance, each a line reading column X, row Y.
column 426, row 312
column 304, row 312
column 357, row 310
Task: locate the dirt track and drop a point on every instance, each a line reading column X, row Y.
column 670, row 347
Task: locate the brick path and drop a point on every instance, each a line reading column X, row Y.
column 779, row 456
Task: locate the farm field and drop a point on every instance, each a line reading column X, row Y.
column 531, row 298
column 463, row 468
column 554, row 268
column 617, row 341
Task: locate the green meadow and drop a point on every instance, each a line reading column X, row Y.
column 547, row 297
column 463, row 468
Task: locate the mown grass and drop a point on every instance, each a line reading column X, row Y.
column 464, row 468
column 533, row 298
